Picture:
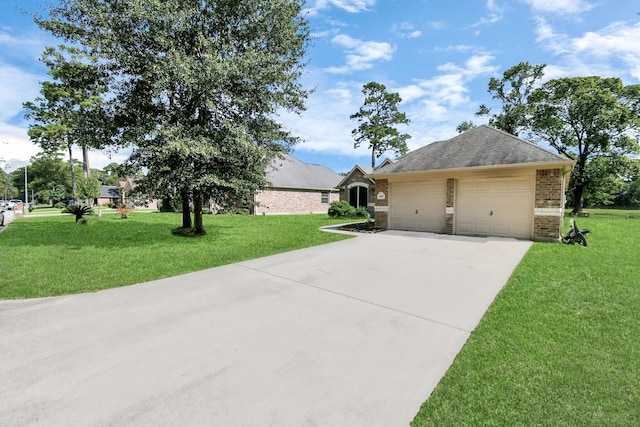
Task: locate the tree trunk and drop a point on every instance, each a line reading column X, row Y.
column 74, row 188
column 577, row 198
column 85, row 161
column 197, row 213
column 186, row 214
column 373, row 158
column 578, row 190
column 86, row 170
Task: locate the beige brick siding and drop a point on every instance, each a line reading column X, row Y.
column 283, row 201
column 549, row 204
column 382, row 205
column 356, row 178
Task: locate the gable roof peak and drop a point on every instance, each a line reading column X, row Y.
column 482, row 146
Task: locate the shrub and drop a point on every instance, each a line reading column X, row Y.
column 341, row 208
column 124, row 211
column 361, row 212
column 234, row 211
column 79, row 211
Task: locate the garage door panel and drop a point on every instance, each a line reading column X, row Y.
column 495, row 207
column 418, row 206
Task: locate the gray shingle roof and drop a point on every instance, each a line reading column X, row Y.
column 109, row 191
column 290, row 172
column 364, row 170
column 482, row 146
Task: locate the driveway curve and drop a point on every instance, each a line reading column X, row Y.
column 357, row 333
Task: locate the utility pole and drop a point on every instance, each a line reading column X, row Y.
column 25, row 207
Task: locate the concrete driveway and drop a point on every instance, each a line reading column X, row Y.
column 353, row 333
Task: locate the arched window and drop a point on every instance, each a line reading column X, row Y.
column 358, row 196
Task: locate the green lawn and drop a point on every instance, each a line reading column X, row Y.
column 46, row 256
column 560, row 345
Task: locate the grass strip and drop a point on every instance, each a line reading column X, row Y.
column 47, row 256
column 559, row 346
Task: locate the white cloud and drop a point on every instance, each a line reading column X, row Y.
column 612, row 50
column 557, row 43
column 617, row 38
column 434, row 105
column 436, row 25
column 351, row 6
column 325, row 127
column 495, row 15
column 406, row 30
column 411, row 92
column 559, row 6
column 437, row 105
column 361, row 55
column 15, row 144
column 458, row 48
column 617, row 41
column 27, row 44
column 16, row 87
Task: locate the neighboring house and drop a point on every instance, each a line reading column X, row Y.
column 483, row 182
column 109, row 195
column 297, row 187
column 358, row 187
column 127, row 187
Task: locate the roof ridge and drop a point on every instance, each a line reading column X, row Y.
column 533, row 144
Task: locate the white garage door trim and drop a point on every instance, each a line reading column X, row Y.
column 495, row 207
column 418, row 206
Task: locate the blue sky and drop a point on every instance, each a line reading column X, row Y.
column 439, row 55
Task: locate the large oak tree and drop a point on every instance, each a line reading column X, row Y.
column 197, row 85
column 585, row 118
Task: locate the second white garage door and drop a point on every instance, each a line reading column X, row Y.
column 418, row 206
column 495, row 207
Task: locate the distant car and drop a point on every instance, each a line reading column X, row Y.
column 3, row 204
column 12, row 203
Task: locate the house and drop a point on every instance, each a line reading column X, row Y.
column 296, row 187
column 130, row 198
column 109, row 195
column 483, row 182
column 358, row 187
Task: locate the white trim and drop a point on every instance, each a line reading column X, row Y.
column 381, row 209
column 357, row 184
column 547, row 211
column 403, row 176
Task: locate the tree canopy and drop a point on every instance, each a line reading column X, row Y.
column 196, row 87
column 586, row 118
column 513, row 90
column 70, row 109
column 378, row 118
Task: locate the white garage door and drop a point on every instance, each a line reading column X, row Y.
column 418, row 206
column 495, row 207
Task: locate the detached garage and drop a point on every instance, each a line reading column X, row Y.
column 484, row 182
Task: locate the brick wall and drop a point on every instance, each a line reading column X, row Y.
column 382, row 205
column 549, row 204
column 282, row 201
column 451, row 184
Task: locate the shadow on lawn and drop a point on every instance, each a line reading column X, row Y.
column 104, row 233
